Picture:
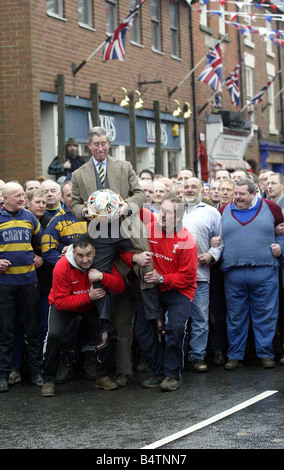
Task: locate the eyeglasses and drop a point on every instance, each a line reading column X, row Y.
column 102, row 144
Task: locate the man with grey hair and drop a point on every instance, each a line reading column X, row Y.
column 250, row 266
column 53, row 197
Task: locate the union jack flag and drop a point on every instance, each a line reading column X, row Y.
column 212, row 72
column 115, row 44
column 232, row 82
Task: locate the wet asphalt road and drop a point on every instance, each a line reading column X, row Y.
column 82, row 417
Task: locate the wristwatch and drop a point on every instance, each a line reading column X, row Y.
column 161, row 279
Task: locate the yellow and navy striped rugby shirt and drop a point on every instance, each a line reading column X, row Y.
column 60, row 231
column 19, row 236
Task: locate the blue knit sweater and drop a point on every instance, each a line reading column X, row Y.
column 248, row 234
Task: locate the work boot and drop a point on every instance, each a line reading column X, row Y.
column 233, row 364
column 65, row 371
column 48, row 390
column 122, row 379
column 198, row 365
column 267, row 363
column 90, row 365
column 169, row 384
column 153, row 381
column 14, row 377
column 106, row 383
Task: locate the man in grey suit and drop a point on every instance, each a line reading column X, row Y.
column 120, row 177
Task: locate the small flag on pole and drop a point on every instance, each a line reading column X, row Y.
column 114, row 47
column 212, row 72
column 232, row 82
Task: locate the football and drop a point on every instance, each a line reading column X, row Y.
column 103, row 205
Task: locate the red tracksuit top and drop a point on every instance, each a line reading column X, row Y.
column 174, row 256
column 70, row 287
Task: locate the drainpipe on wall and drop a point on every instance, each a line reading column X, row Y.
column 195, row 157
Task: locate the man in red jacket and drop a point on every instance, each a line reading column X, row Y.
column 72, row 305
column 174, row 254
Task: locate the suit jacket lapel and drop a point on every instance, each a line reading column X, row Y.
column 113, row 176
column 90, row 181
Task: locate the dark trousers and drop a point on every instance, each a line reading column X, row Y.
column 124, row 307
column 217, row 312
column 168, row 360
column 107, row 249
column 65, row 330
column 24, row 301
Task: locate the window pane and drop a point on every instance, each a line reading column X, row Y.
column 85, row 12
column 155, row 10
column 174, row 29
column 135, row 29
column 55, row 6
column 173, row 15
column 156, row 28
column 111, row 16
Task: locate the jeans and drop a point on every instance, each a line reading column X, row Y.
column 252, row 293
column 199, row 322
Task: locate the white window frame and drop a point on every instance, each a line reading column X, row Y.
column 54, row 8
column 135, row 30
column 270, row 70
column 247, row 19
column 222, row 24
column 174, row 28
column 271, row 101
column 269, row 48
column 85, row 13
column 111, row 16
column 156, row 26
column 203, row 14
column 249, row 88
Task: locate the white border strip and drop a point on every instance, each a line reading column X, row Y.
column 215, row 418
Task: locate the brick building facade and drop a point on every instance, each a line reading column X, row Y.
column 41, row 40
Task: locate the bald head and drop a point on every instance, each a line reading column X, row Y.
column 193, row 190
column 11, row 187
column 148, row 188
column 184, row 175
column 13, row 196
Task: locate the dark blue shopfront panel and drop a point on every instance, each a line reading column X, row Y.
column 265, row 149
column 116, row 120
column 78, row 122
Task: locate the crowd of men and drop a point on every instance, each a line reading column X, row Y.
column 184, row 277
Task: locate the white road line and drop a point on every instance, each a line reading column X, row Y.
column 215, row 418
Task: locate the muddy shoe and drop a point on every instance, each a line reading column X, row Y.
column 48, row 390
column 14, row 377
